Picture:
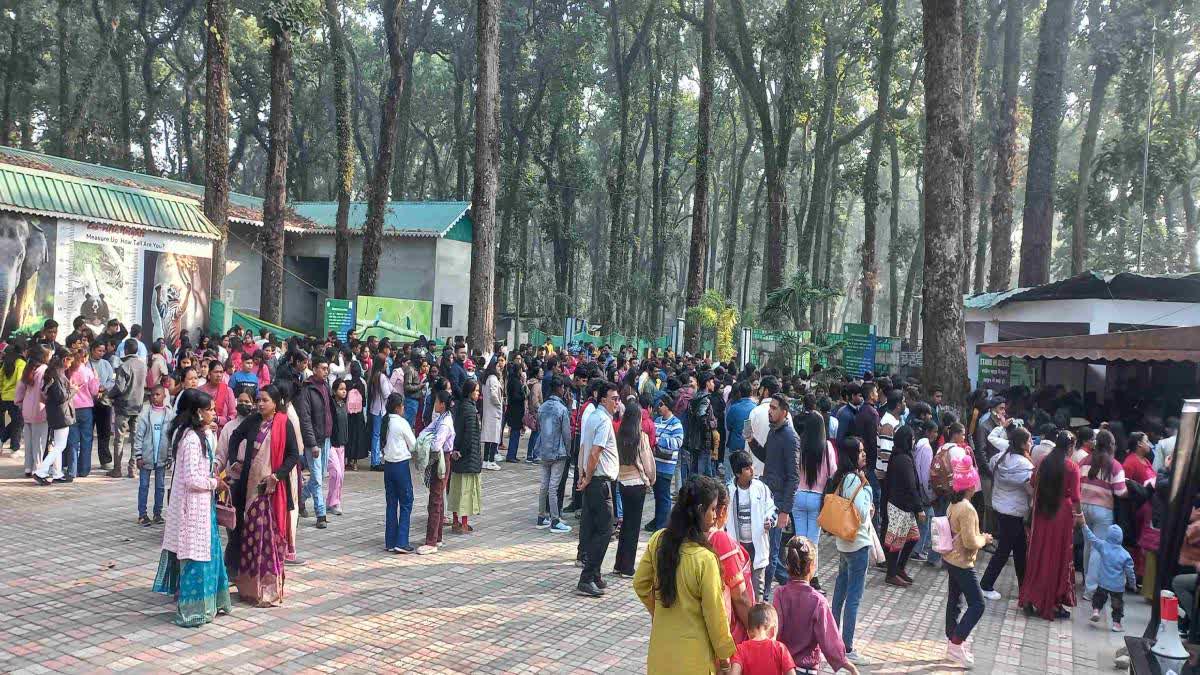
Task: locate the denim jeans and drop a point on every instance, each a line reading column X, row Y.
column 683, row 467
column 531, row 453
column 848, row 591
column 925, row 543
column 12, row 428
column 705, row 465
column 315, row 487
column 549, row 505
column 376, row 455
column 662, row 499
column 514, row 440
column 775, row 568
column 79, row 444
column 618, row 507
column 1098, row 518
column 805, row 509
column 144, row 489
column 410, row 410
column 962, row 584
column 398, row 491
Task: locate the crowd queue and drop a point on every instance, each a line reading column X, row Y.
column 747, row 470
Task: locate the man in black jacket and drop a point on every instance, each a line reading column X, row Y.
column 700, row 427
column 314, row 407
column 781, row 474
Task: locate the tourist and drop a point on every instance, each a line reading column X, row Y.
column 79, row 440
column 736, row 415
column 190, row 566
column 1165, row 448
column 380, row 390
column 158, row 367
column 1050, row 585
column 532, row 404
column 679, row 581
column 636, row 475
column 232, row 460
column 358, row 437
column 151, row 453
column 700, row 430
column 844, row 416
column 553, row 446
column 441, row 444
column 397, row 444
column 102, row 412
column 28, row 396
column 905, row 505
column 128, row 396
column 263, row 496
column 1114, row 573
column 866, row 428
column 411, row 384
column 960, row 562
column 314, row 408
column 223, row 398
column 806, row 624
column 1135, row 517
column 514, row 412
column 466, row 488
column 492, row 410
column 851, row 483
column 780, row 474
column 761, row 653
column 668, row 439
column 818, row 460
column 338, row 439
column 753, row 517
column 245, row 378
column 926, row 432
column 57, row 394
column 1012, row 471
column 599, row 467
column 1102, row 482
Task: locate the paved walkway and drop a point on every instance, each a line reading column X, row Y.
column 75, row 597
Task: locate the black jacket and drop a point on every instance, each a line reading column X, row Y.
column 701, row 423
column 340, row 434
column 902, row 488
column 466, row 438
column 310, row 408
column 781, row 471
column 60, row 414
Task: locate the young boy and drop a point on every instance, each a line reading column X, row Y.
column 762, row 654
column 245, row 379
column 1114, row 567
column 151, row 451
column 751, row 514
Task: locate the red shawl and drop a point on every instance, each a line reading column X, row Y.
column 279, row 429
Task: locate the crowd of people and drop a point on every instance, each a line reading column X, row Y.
column 747, row 468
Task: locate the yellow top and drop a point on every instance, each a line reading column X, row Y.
column 8, row 383
column 689, row 636
column 964, row 523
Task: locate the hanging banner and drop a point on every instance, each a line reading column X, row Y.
column 339, row 317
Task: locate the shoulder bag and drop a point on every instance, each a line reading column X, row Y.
column 838, row 515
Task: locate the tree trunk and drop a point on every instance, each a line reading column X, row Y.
column 1106, row 62
column 10, row 73
column 1000, row 274
column 481, row 323
column 870, row 261
column 970, row 73
column 1037, row 220
column 698, row 252
column 754, row 219
column 985, row 133
column 911, row 281
column 62, row 19
column 735, row 198
column 1190, row 225
column 270, row 306
column 942, row 310
column 216, row 134
column 893, row 241
column 657, row 265
column 460, row 137
column 125, row 122
column 377, row 193
column 345, row 150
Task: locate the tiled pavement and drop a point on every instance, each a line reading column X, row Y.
column 75, row 576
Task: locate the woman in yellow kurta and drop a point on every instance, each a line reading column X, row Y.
column 679, row 582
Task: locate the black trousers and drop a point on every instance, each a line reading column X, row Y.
column 633, row 498
column 102, row 417
column 1118, row 602
column 571, row 473
column 1010, row 540
column 897, row 560
column 595, row 526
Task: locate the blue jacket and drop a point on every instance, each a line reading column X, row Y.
column 845, row 419
column 554, row 430
column 1113, row 564
column 735, row 421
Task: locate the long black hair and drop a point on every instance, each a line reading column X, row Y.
column 629, row 432
column 378, row 368
column 11, row 353
column 813, row 446
column 1052, row 474
column 903, row 441
column 848, row 454
column 35, row 356
column 187, row 417
column 686, row 523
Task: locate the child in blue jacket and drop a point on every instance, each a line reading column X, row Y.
column 1114, row 568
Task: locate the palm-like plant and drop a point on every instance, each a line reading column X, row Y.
column 719, row 314
column 792, row 300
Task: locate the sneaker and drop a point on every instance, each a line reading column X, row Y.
column 959, row 655
column 322, row 522
column 403, row 550
column 542, row 523
column 560, row 528
column 514, row 460
column 41, row 480
column 143, row 521
column 1117, row 627
column 919, row 556
column 106, row 467
column 334, row 510
column 531, row 460
column 158, row 519
column 600, row 582
column 991, row 595
column 426, row 550
column 854, row 657
column 622, row 575
column 589, row 589
column 1095, row 616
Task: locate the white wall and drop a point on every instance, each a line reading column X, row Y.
column 452, row 286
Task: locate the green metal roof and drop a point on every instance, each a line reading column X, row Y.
column 402, row 219
column 38, row 192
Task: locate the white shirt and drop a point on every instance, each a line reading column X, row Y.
column 597, row 429
column 1164, row 449
column 760, row 421
column 400, row 440
column 385, row 390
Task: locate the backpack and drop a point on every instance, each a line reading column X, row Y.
column 941, row 473
column 943, row 537
column 354, row 401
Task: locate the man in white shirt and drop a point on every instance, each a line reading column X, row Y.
column 599, row 464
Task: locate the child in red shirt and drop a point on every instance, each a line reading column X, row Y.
column 762, row 654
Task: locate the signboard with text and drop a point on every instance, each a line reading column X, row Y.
column 858, row 353
column 339, row 317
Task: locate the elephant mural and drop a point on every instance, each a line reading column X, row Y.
column 25, row 247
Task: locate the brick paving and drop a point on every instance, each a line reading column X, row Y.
column 76, row 573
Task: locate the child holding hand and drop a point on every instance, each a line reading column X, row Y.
column 762, row 654
column 806, row 623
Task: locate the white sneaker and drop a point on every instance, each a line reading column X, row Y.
column 426, row 550
column 960, row 655
column 991, row 595
column 854, row 657
column 1095, row 616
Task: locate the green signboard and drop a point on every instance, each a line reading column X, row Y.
column 993, row 372
column 858, row 354
column 1022, row 372
column 395, row 318
column 339, row 317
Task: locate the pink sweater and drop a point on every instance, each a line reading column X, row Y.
column 1099, row 491
column 29, row 397
column 89, row 386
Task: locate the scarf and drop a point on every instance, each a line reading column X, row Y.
column 279, row 429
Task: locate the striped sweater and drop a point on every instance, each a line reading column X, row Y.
column 668, row 434
column 1100, row 491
